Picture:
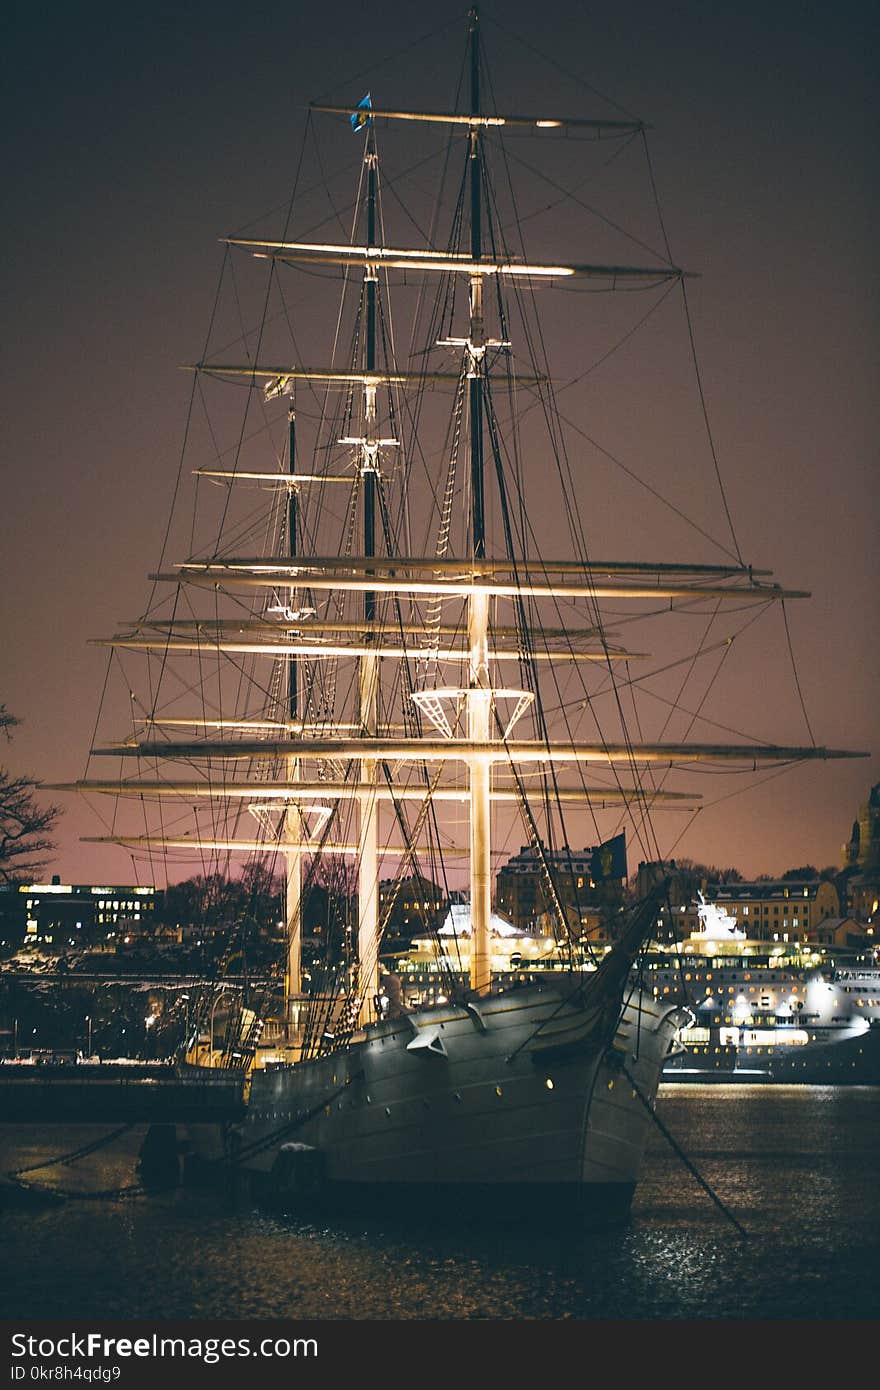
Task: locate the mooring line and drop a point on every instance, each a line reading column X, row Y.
column 691, row 1167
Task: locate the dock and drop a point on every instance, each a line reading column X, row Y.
column 115, row 1092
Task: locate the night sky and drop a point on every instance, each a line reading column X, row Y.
column 137, row 136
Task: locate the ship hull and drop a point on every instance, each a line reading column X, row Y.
column 841, row 1058
column 518, row 1097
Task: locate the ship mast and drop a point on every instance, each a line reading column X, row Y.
column 368, row 853
column 292, row 816
column 479, row 695
column 473, row 741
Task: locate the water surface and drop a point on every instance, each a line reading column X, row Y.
column 796, row 1166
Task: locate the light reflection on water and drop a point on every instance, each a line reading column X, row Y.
column 796, row 1165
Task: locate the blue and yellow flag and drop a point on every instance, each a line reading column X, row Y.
column 609, row 860
column 361, row 117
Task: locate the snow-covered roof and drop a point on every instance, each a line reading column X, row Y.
column 458, row 923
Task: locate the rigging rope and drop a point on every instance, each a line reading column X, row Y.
column 679, row 1151
column 795, row 674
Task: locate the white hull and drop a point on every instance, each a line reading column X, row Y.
column 840, row 1056
column 505, row 1107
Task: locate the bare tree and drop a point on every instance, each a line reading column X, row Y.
column 24, row 825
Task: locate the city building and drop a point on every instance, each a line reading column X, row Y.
column 70, row 915
column 861, row 861
column 782, row 911
column 586, row 882
column 413, row 906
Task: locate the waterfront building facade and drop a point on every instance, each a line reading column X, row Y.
column 780, row 910
column 413, row 906
column 70, row 915
column 587, row 883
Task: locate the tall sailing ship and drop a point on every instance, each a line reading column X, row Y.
column 379, row 673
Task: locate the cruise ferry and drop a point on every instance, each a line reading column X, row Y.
column 768, row 1011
